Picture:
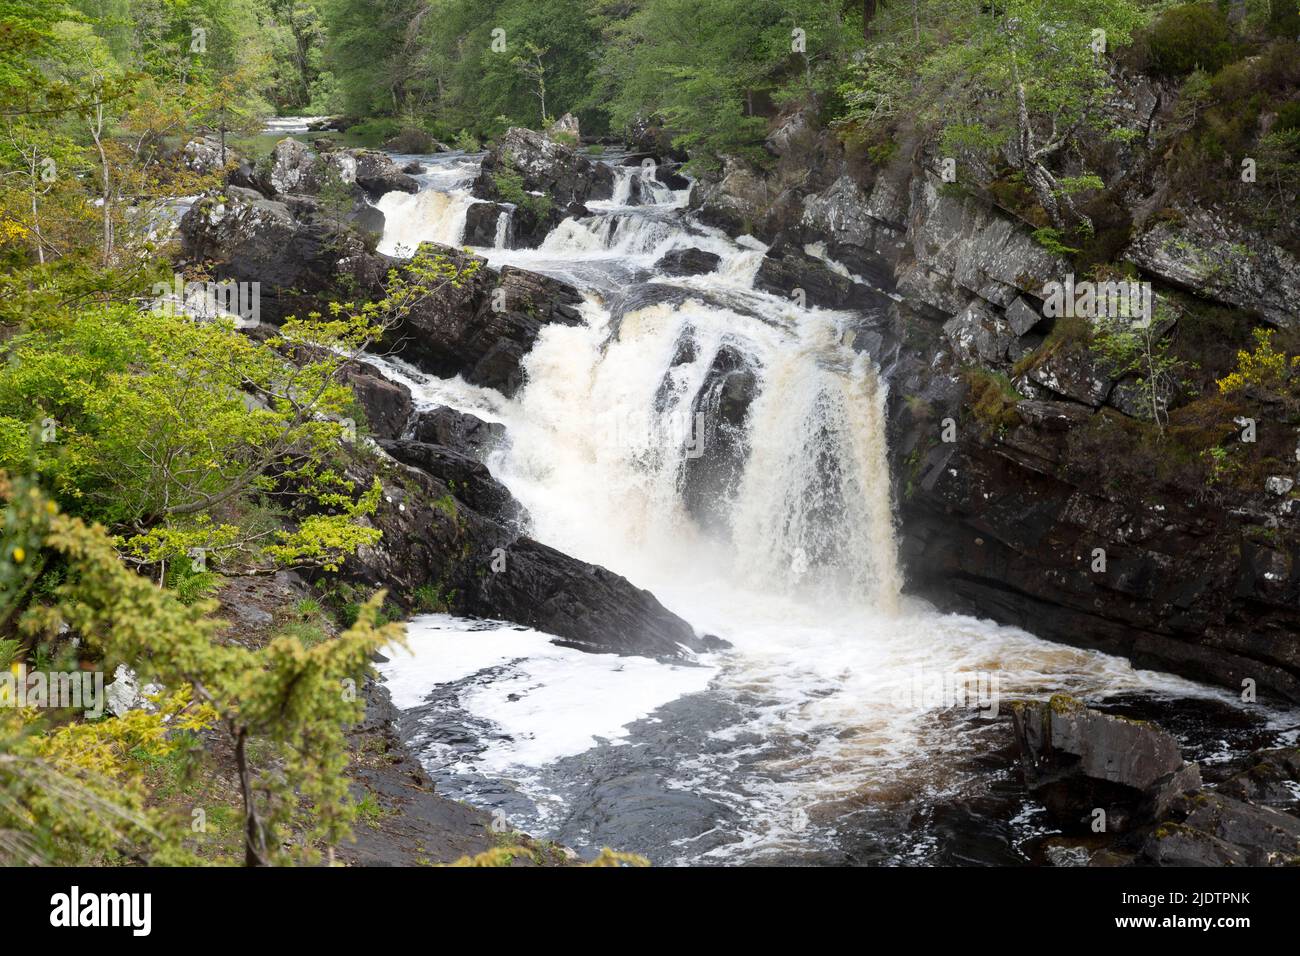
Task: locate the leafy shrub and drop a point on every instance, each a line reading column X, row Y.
column 1191, row 36
column 466, row 142
column 1264, row 368
column 510, row 187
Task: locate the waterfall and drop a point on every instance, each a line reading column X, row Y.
column 724, row 448
column 427, row 216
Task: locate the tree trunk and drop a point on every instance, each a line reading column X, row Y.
column 254, row 834
column 868, row 14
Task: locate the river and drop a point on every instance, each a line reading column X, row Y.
column 848, row 723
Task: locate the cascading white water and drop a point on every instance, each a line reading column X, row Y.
column 814, row 710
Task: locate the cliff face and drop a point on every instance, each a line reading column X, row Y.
column 1032, row 485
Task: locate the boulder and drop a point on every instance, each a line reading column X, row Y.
column 734, row 199
column 465, row 433
column 1077, row 760
column 687, row 262
column 207, row 155
column 468, row 477
column 432, row 537
column 1210, row 829
column 1271, row 777
column 482, row 329
column 785, row 269
column 1072, row 372
column 714, row 465
column 295, row 169
column 980, row 335
column 245, row 237
column 483, row 225
column 377, row 174
column 292, row 167
column 566, row 127
column 387, row 404
column 545, row 166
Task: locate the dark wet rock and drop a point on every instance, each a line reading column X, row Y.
column 387, row 404
column 460, row 430
column 560, row 178
column 433, row 538
column 1210, row 829
column 667, row 173
column 413, row 168
column 483, row 221
column 1272, row 777
column 714, row 464
column 1077, row 760
column 590, row 607
column 786, row 269
column 246, row 237
column 483, row 329
column 687, row 262
column 469, row 479
column 649, row 135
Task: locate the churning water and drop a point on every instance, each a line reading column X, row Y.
column 834, row 730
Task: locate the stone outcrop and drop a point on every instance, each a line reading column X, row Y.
column 1206, row 253
column 459, row 430
column 687, row 262
column 546, row 166
column 789, row 271
column 293, row 252
column 1077, row 761
column 484, row 327
column 1123, row 784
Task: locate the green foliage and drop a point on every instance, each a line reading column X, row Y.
column 669, row 58
column 1050, row 239
column 1145, row 354
column 298, row 700
column 1191, row 37
column 992, row 399
column 509, row 185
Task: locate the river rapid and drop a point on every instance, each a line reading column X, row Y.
column 848, row 723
